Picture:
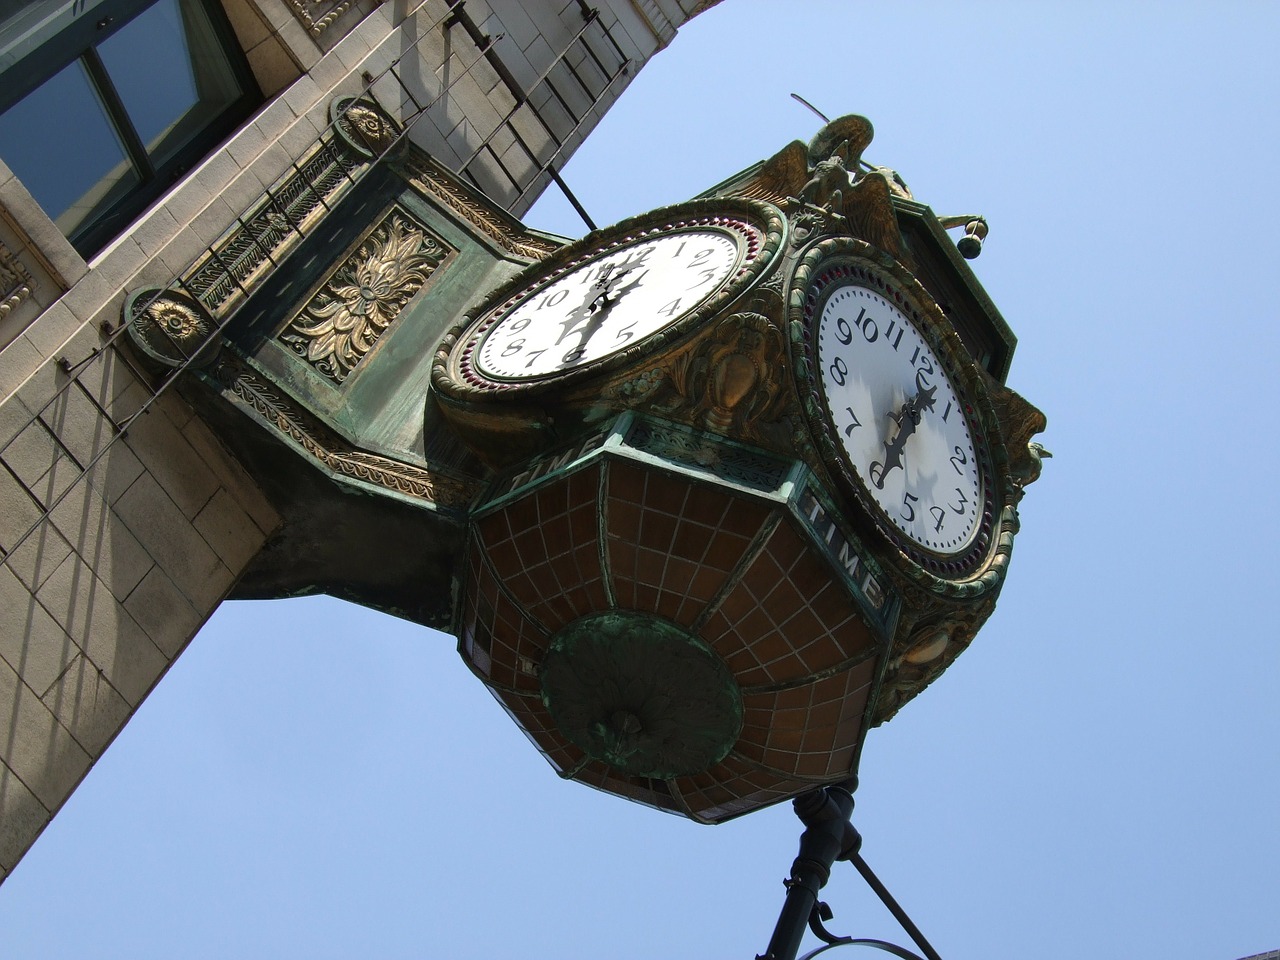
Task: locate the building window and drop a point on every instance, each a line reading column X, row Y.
column 100, row 118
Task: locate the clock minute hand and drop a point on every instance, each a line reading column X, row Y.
column 584, row 313
column 587, row 319
column 907, row 418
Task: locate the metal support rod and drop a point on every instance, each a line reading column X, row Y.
column 898, row 913
column 569, row 195
column 458, row 14
column 828, row 836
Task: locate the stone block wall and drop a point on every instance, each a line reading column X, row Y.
column 125, row 563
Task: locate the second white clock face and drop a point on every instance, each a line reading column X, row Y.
column 897, row 415
column 607, row 304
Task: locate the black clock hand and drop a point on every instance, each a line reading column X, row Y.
column 908, row 418
column 598, row 307
column 603, row 300
column 584, row 312
column 588, row 316
column 611, row 296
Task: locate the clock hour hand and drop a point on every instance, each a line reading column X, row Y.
column 587, row 319
column 613, row 292
column 907, row 419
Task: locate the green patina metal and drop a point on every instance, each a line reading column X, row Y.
column 640, row 694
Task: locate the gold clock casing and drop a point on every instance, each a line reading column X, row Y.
column 842, row 262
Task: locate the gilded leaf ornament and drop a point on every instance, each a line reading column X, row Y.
column 355, row 306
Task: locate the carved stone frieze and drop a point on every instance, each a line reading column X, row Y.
column 16, row 282
column 334, row 453
column 245, row 255
column 506, row 233
column 363, row 297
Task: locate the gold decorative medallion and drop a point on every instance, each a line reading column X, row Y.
column 355, row 306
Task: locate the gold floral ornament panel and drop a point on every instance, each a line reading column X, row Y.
column 364, row 296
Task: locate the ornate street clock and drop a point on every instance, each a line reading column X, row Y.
column 897, row 415
column 755, row 481
column 704, row 495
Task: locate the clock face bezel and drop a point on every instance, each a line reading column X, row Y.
column 626, row 292
column 843, row 263
column 757, row 230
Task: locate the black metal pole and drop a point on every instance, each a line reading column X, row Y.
column 828, row 836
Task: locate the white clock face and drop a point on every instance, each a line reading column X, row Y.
column 897, row 415
column 607, row 304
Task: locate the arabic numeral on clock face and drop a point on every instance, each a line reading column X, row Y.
column 707, row 277
column 893, row 334
column 853, row 423
column 959, row 460
column 939, row 515
column 908, row 511
column 839, row 371
column 514, row 347
column 574, row 355
column 959, row 508
column 864, row 323
column 550, row 300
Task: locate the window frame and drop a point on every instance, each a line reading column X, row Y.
column 55, row 48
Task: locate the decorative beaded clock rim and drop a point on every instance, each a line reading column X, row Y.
column 844, row 259
column 759, row 230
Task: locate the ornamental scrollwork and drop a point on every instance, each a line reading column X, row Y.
column 1019, row 421
column 730, row 382
column 318, row 15
column 923, row 651
column 395, row 475
column 364, row 126
column 506, row 233
column 364, row 296
column 824, row 187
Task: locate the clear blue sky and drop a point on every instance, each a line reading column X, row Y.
column 1096, row 776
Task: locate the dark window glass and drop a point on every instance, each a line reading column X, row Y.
column 61, row 143
column 108, row 132
column 171, row 74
